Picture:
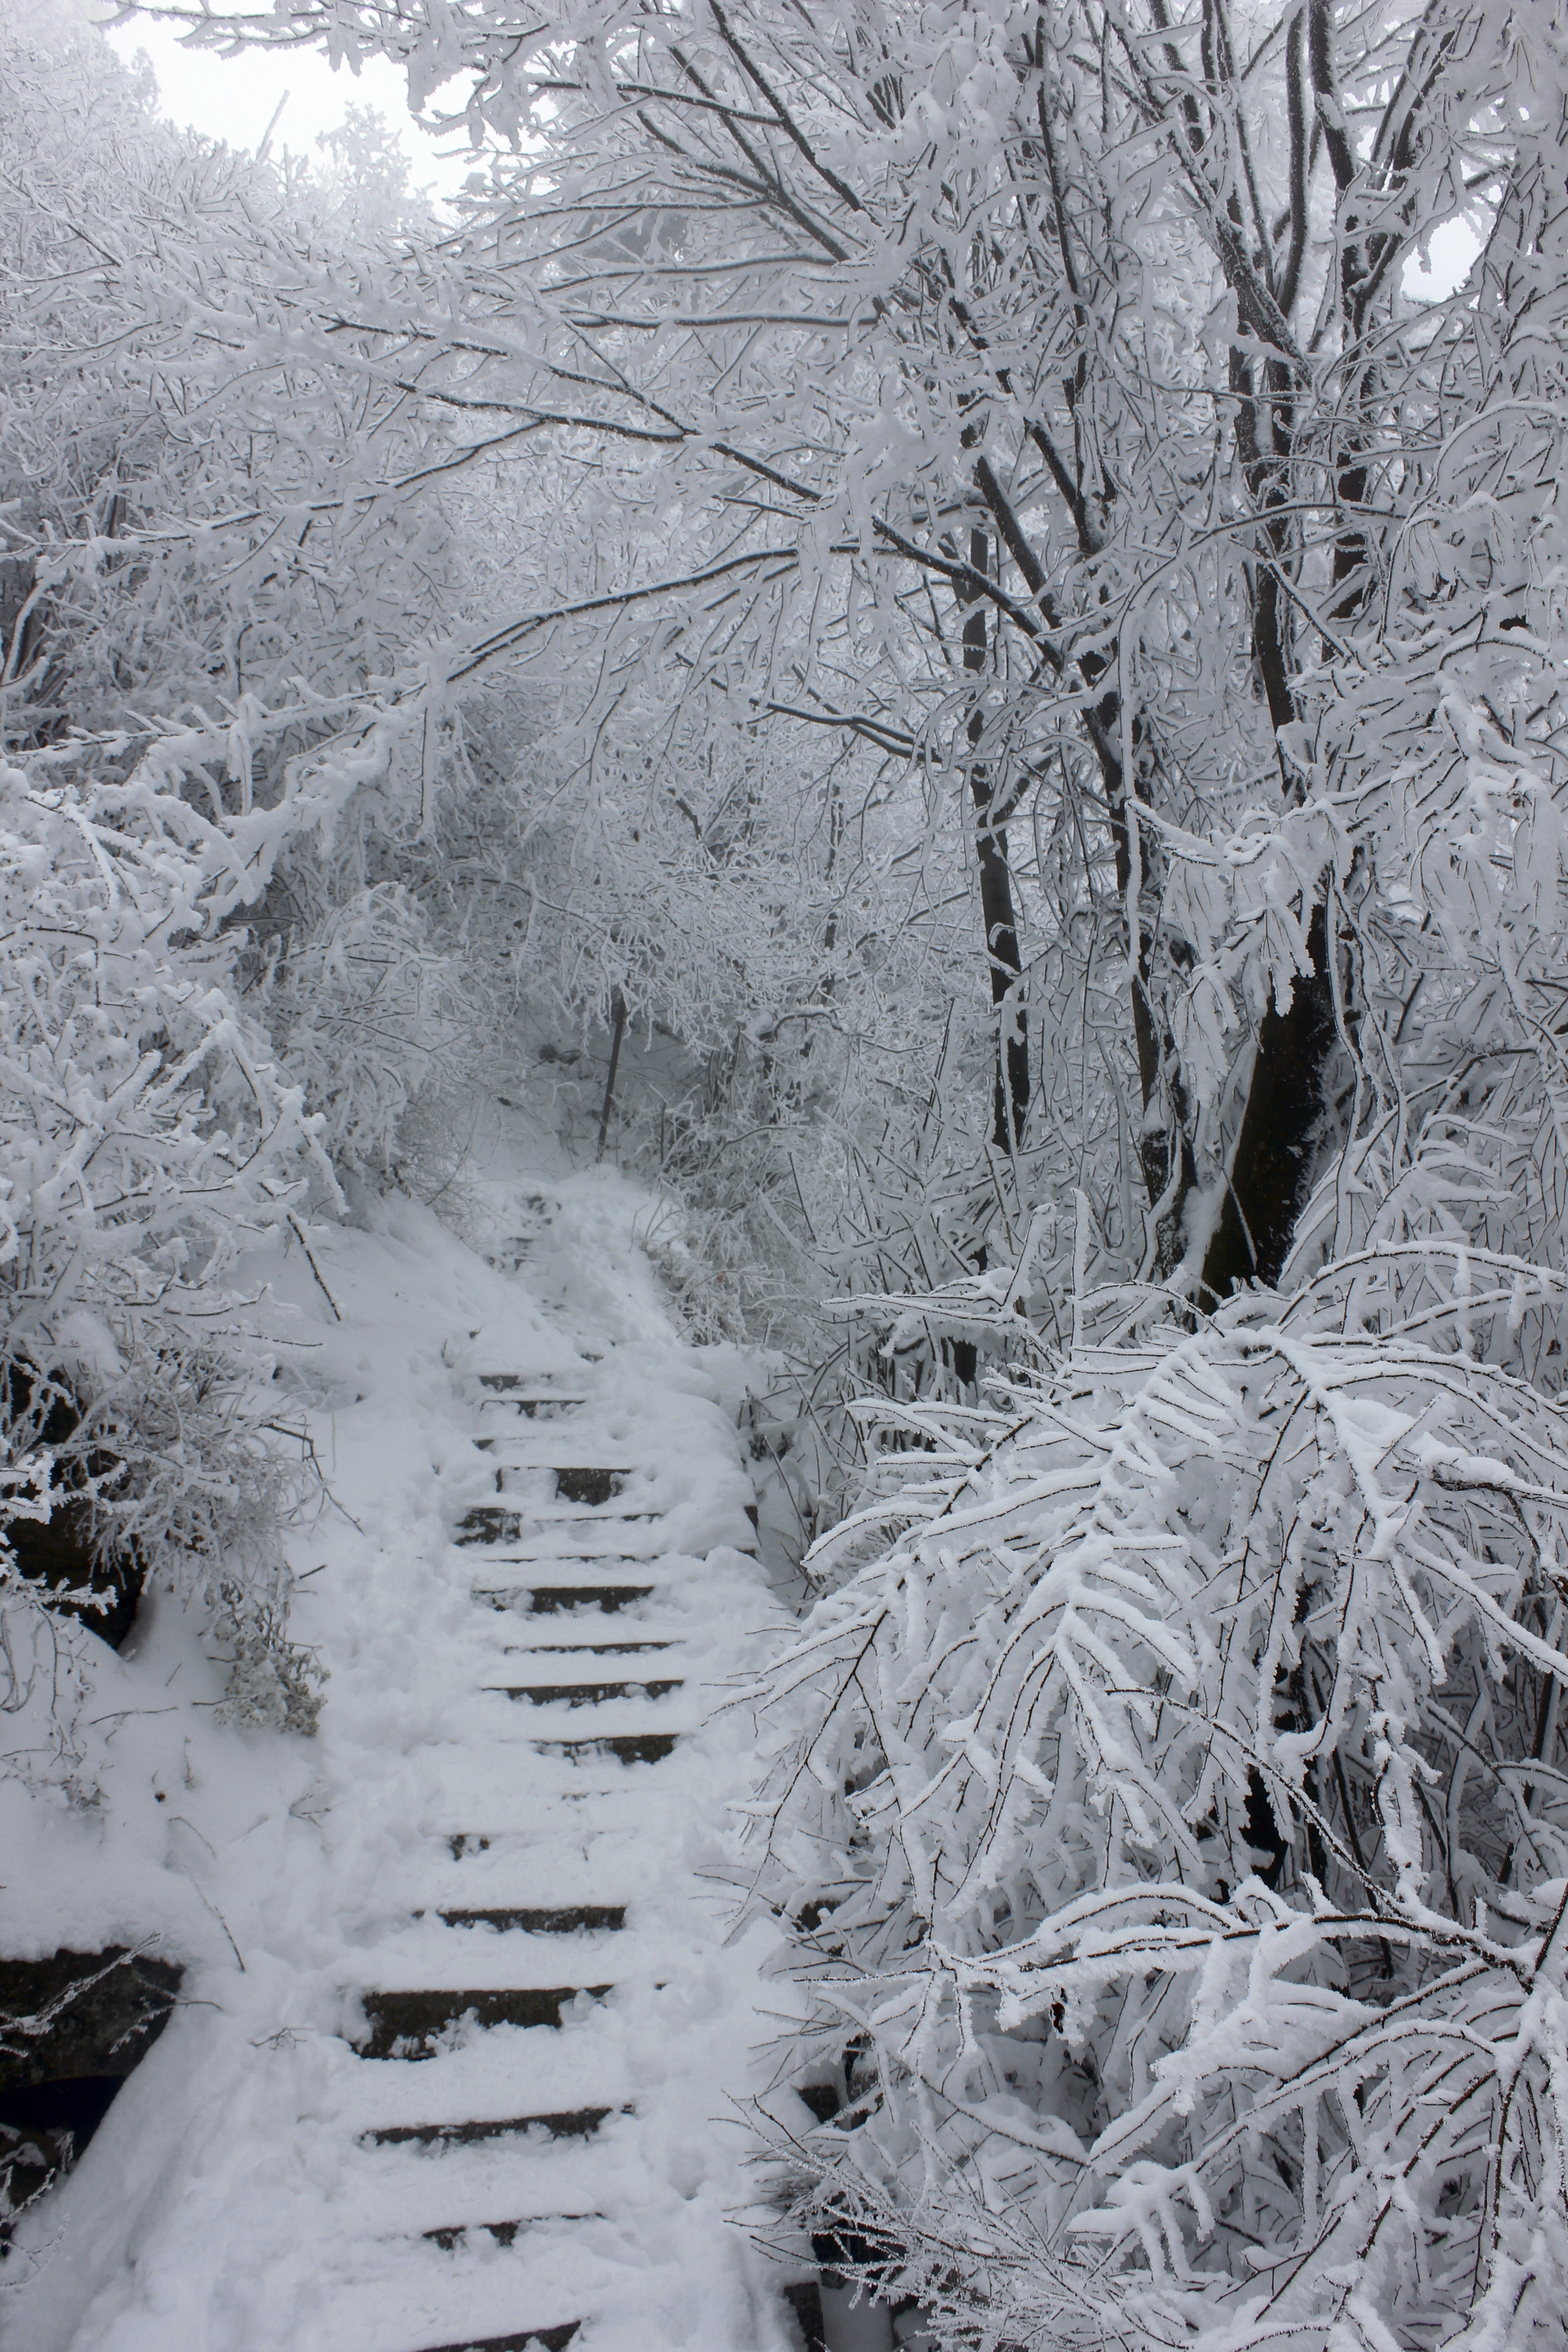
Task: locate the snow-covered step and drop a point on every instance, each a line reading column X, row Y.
column 561, row 2123
column 420, row 2298
column 562, row 1533
column 584, row 1693
column 554, row 1447
column 628, row 1739
column 497, row 1523
column 507, row 1711
column 510, row 1410
column 614, row 1725
column 583, row 1811
column 559, row 1919
column 577, row 1563
column 525, row 1444
column 586, row 1649
column 609, row 1868
column 553, row 2339
column 587, row 1440
column 589, row 1483
column 522, row 1784
column 540, row 1532
column 425, row 2206
column 500, row 2233
column 549, row 2195
column 502, row 1846
column 551, row 1599
column 425, row 1954
column 527, row 1476
column 411, row 2024
column 412, row 2296
column 627, row 1747
column 553, row 2189
column 501, row 2072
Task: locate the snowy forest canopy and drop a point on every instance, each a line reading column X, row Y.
column 939, row 569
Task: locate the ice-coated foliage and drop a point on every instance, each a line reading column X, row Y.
column 144, row 1117
column 1177, row 1827
column 146, row 1134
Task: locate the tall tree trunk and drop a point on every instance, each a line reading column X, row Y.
column 1272, row 1164
column 1010, row 1085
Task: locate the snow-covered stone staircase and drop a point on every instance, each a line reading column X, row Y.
column 553, row 1908
column 468, row 2079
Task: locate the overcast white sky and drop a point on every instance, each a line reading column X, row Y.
column 233, row 98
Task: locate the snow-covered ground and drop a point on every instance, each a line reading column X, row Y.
column 237, row 2199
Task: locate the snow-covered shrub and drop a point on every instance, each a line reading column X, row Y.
column 1175, row 1821
column 146, row 1134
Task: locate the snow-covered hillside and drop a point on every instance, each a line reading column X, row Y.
column 514, row 1809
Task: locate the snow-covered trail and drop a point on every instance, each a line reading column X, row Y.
column 474, row 2085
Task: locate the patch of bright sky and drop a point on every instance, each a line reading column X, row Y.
column 1453, row 249
column 234, row 99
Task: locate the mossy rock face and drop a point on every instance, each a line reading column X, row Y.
column 80, row 2013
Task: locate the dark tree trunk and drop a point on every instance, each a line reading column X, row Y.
column 1010, row 1078
column 1010, row 1093
column 1272, row 1164
column 617, row 1031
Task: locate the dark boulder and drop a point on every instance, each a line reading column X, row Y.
column 71, row 2028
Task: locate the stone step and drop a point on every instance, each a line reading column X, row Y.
column 517, row 1478
column 555, row 2339
column 581, row 1694
column 582, row 1649
column 572, row 2122
column 592, row 1484
column 557, row 1919
column 625, row 1543
column 588, row 1486
column 522, row 1438
column 408, row 2024
column 497, row 1523
column 551, row 1599
column 532, row 1384
column 628, row 1747
column 532, row 1408
column 621, row 1799
column 503, row 2233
